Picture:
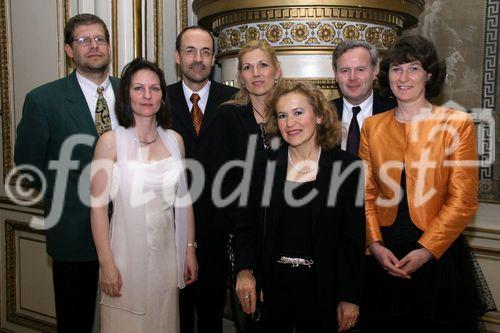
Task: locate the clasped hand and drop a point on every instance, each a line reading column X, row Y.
column 400, row 268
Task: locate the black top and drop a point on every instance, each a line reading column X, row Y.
column 294, row 233
column 239, row 138
column 403, row 230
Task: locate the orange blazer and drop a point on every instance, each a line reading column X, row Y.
column 440, row 161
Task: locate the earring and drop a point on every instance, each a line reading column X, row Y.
column 276, row 81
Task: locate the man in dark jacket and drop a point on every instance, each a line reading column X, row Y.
column 194, row 102
column 355, row 64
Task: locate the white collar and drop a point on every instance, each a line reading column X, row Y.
column 89, row 86
column 203, row 92
column 366, row 104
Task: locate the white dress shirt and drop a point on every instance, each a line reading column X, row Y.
column 89, row 90
column 366, row 111
column 203, row 93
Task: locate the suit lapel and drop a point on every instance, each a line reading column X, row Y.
column 210, row 108
column 180, row 108
column 77, row 107
column 339, row 105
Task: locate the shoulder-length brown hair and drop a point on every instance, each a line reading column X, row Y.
column 328, row 131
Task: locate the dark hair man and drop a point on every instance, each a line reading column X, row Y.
column 195, row 100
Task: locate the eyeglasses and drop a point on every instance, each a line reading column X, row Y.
column 85, row 41
column 191, row 52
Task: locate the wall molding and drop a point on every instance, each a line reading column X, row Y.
column 13, row 316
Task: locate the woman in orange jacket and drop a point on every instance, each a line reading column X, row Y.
column 421, row 192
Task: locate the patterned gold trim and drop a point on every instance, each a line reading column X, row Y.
column 66, row 10
column 7, row 156
column 408, row 8
column 13, row 316
column 305, row 35
column 157, row 30
column 58, row 34
column 114, row 29
column 218, row 22
column 137, row 21
column 184, row 13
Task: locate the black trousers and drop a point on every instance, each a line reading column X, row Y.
column 206, row 297
column 75, row 288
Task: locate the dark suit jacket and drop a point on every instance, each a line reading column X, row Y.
column 236, row 125
column 380, row 104
column 199, row 147
column 51, row 114
column 338, row 230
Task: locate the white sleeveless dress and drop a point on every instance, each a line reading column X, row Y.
column 145, row 238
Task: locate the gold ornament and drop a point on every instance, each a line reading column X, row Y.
column 325, row 33
column 274, row 33
column 300, row 32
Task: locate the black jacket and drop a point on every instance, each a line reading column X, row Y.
column 199, row 147
column 338, row 229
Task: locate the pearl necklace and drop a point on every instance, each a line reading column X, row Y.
column 308, row 169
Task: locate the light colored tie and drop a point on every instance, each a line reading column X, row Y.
column 102, row 120
column 196, row 114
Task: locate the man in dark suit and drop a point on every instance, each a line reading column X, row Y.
column 194, row 102
column 80, row 104
column 355, row 64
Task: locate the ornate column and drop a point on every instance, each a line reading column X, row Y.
column 304, row 35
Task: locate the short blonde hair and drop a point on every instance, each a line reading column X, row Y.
column 328, row 131
column 242, row 97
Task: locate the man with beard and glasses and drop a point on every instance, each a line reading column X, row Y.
column 80, row 103
column 194, row 102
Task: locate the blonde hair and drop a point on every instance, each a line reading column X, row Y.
column 328, row 132
column 242, row 97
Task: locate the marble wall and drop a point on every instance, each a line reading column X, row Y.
column 466, row 34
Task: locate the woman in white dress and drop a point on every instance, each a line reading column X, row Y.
column 147, row 251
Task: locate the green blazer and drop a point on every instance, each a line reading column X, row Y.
column 51, row 114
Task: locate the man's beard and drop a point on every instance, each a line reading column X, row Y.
column 100, row 68
column 193, row 78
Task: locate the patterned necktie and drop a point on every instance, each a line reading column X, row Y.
column 196, row 114
column 353, row 134
column 102, row 120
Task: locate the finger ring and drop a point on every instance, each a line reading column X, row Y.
column 246, row 296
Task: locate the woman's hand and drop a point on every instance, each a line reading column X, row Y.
column 111, row 280
column 387, row 260
column 190, row 266
column 414, row 260
column 245, row 289
column 347, row 315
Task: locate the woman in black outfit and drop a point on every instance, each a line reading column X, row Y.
column 240, row 124
column 303, row 255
